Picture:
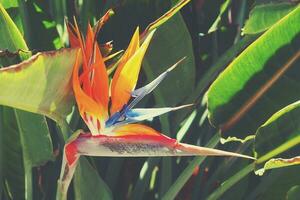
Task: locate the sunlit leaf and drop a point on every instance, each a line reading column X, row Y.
column 246, row 93
column 40, row 84
column 23, row 133
column 9, row 3
column 216, row 24
column 10, row 37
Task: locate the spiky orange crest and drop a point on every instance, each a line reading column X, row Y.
column 91, row 83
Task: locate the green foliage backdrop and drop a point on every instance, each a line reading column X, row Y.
column 241, row 71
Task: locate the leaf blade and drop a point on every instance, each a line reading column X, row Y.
column 52, row 96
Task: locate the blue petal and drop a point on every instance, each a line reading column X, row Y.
column 143, row 91
column 140, row 114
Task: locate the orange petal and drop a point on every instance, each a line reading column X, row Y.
column 100, row 86
column 76, row 41
column 89, row 42
column 85, row 103
column 134, row 129
column 73, row 39
column 126, row 76
column 100, row 82
column 132, row 48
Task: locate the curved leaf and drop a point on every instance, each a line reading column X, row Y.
column 246, row 93
column 11, row 38
column 264, row 16
column 277, row 140
column 40, row 84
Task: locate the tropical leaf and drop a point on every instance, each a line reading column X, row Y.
column 40, row 84
column 171, row 34
column 246, row 93
column 23, row 133
column 11, row 150
column 276, row 183
column 263, row 16
column 277, row 140
column 95, row 188
column 22, row 149
column 11, row 39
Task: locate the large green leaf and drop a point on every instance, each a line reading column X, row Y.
column 276, row 183
column 170, row 43
column 277, row 140
column 264, row 16
column 246, row 93
column 11, row 149
column 10, row 37
column 41, row 84
column 26, row 145
column 35, row 138
column 88, row 184
column 26, row 137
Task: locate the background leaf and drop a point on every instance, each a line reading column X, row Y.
column 94, row 188
column 293, row 193
column 263, row 16
column 246, row 93
column 278, row 137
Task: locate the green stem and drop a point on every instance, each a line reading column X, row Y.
column 60, row 194
column 230, row 182
column 28, row 181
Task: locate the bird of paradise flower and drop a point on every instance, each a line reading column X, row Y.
column 108, row 108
